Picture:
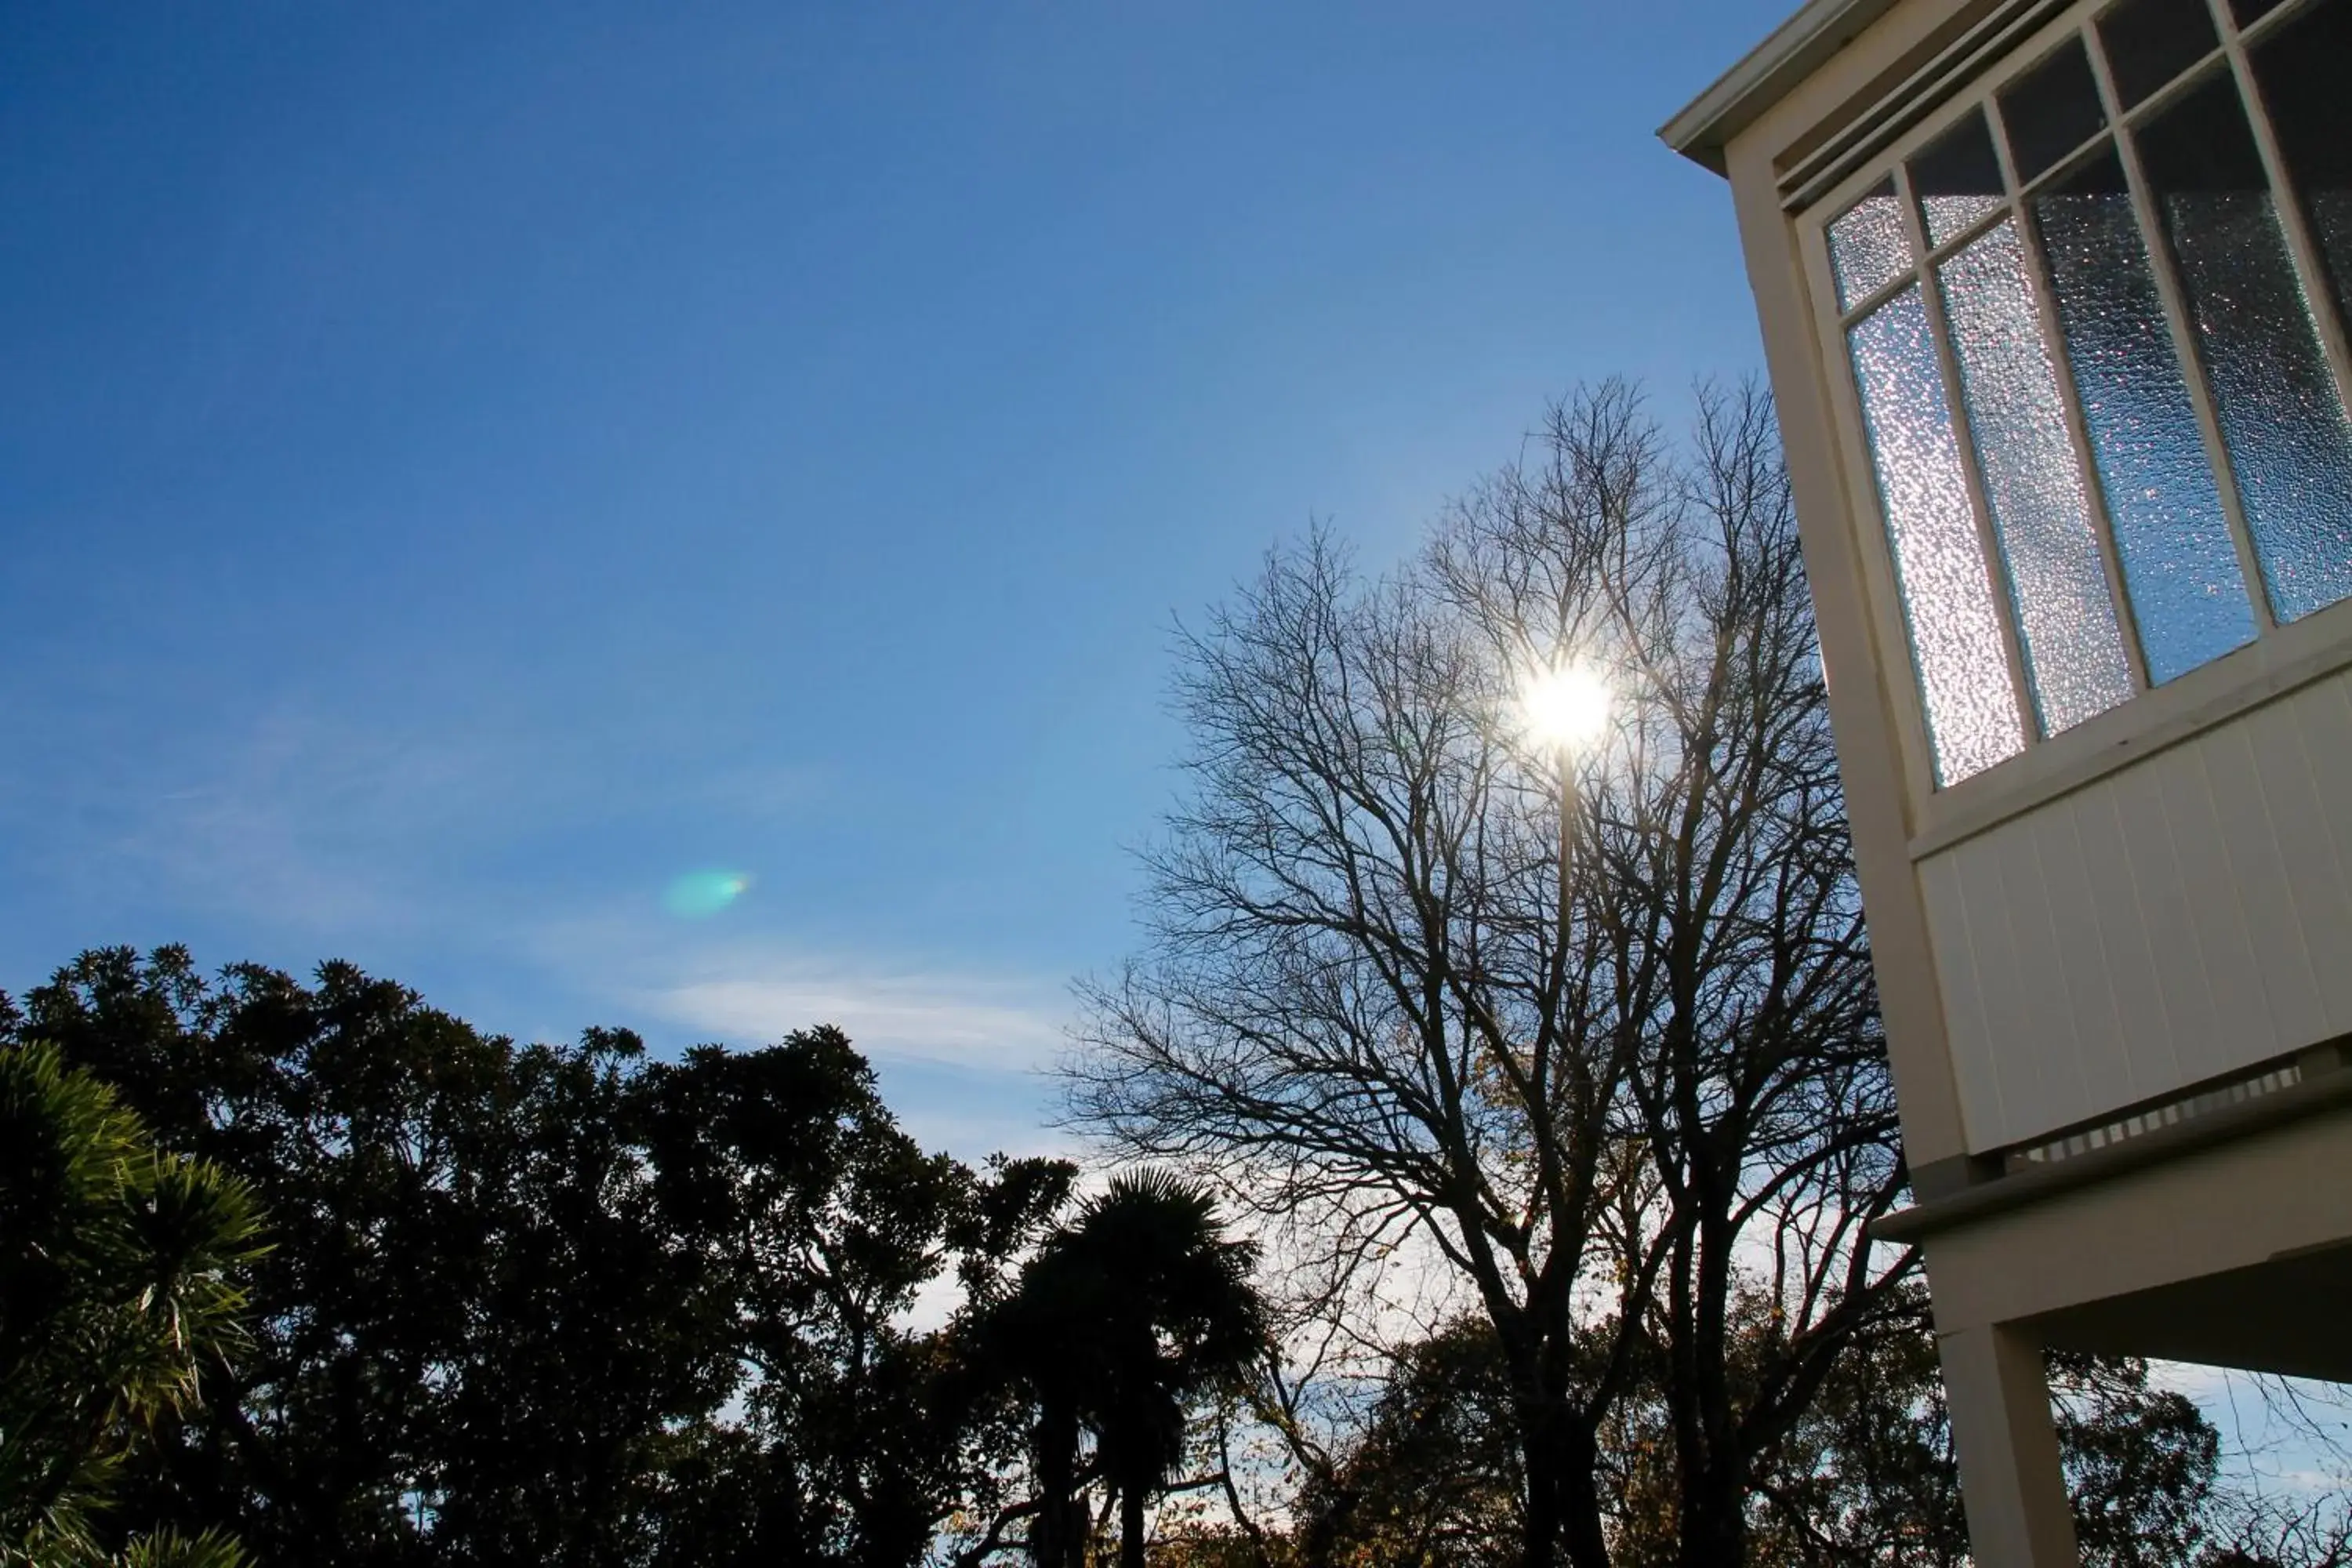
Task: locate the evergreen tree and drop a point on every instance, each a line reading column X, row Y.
column 121, row 1287
column 1126, row 1314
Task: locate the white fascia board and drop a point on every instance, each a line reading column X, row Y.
column 1768, row 72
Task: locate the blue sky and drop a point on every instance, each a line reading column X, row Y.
column 464, row 468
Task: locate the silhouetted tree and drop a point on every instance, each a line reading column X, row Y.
column 1613, row 1067
column 1867, row 1479
column 1125, row 1316
column 784, row 1169
column 1434, row 1477
column 533, row 1304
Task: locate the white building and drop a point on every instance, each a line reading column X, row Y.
column 2054, row 299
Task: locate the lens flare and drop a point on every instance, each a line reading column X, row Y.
column 698, row 895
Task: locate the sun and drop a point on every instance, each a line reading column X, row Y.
column 1564, row 707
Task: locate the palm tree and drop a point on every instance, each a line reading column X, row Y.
column 121, row 1282
column 1124, row 1315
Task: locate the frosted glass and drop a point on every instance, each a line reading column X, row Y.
column 1868, row 246
column 2180, row 566
column 2281, row 417
column 2041, row 514
column 1972, row 720
column 2301, row 71
column 1958, row 179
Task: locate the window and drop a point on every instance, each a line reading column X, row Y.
column 2097, row 325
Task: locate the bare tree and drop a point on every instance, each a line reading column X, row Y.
column 1598, row 1030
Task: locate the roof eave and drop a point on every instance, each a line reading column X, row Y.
column 1767, row 74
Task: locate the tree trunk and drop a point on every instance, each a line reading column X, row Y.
column 1579, row 1489
column 1130, row 1526
column 1053, row 1540
column 1540, row 1528
column 1713, row 1469
column 1715, row 1525
column 1563, row 1518
column 1540, row 1448
column 1713, row 1479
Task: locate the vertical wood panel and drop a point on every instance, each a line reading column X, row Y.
column 2153, row 1062
column 2057, row 1063
column 2324, row 724
column 2079, row 948
column 2257, row 877
column 2181, row 983
column 2010, row 1082
column 2243, row 1014
column 2177, row 919
column 1963, row 997
column 2319, row 899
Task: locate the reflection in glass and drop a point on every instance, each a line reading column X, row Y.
column 2052, row 109
column 2178, row 563
column 2042, row 516
column 1958, row 179
column 2281, row 417
column 1868, row 245
column 2149, row 42
column 2300, row 69
column 1947, row 602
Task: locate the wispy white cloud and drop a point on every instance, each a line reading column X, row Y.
column 955, row 1019
column 960, row 1055
column 304, row 832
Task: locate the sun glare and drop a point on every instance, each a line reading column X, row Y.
column 1564, row 706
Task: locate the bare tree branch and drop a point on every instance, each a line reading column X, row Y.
column 1622, row 1074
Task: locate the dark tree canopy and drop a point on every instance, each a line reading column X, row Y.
column 533, row 1304
column 1868, row 1480
column 1435, row 1476
column 1123, row 1318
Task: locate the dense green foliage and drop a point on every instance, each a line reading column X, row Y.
column 546, row 1305
column 121, row 1272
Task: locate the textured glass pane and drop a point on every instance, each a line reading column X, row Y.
column 2073, row 649
column 2180, row 566
column 1946, row 595
column 2301, row 70
column 1958, row 179
column 2052, row 109
column 2149, row 42
column 2280, row 414
column 1868, row 244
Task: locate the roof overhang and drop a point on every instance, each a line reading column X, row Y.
column 1770, row 71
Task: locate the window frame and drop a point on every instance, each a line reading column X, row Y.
column 2280, row 656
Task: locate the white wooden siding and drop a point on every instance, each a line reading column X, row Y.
column 2178, row 919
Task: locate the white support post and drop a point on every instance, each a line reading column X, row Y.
column 2011, row 1479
